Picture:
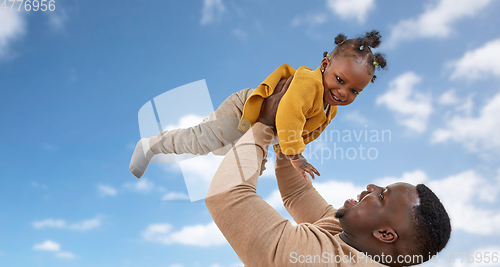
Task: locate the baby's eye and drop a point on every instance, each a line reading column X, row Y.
column 354, row 91
column 340, row 80
column 382, row 195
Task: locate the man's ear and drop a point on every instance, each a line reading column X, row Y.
column 386, row 235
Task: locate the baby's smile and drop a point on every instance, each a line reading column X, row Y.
column 334, row 100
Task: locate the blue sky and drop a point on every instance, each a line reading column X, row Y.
column 73, row 81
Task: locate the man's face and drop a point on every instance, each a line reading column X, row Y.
column 377, row 208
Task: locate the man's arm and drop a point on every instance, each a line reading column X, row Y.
column 300, row 198
column 252, row 227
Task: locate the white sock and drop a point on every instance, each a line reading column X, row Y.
column 141, row 158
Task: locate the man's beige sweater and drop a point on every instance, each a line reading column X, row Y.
column 259, row 235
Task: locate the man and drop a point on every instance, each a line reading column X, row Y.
column 398, row 225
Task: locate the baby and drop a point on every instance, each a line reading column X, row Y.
column 305, row 110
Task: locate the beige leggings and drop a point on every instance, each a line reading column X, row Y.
column 213, row 134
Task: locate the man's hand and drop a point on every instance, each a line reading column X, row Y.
column 270, row 105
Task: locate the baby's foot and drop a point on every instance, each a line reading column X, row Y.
column 141, row 158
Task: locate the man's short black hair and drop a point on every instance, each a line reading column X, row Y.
column 432, row 227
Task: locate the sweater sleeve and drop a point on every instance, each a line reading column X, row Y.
column 259, row 235
column 300, row 198
column 251, row 110
column 250, row 225
column 294, row 107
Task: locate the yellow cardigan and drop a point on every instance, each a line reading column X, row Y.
column 300, row 117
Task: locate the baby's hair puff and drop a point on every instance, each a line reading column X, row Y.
column 361, row 49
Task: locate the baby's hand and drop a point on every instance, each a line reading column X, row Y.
column 302, row 166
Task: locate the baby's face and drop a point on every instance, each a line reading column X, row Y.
column 344, row 78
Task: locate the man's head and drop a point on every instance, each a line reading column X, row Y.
column 400, row 219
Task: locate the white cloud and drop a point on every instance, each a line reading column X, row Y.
column 174, row 196
column 458, row 194
column 197, row 235
column 201, row 168
column 12, row 27
column 478, row 134
column 336, row 192
column 412, row 108
column 48, row 245
column 479, row 63
column 143, row 185
column 105, row 190
column 65, row 255
column 176, row 265
column 351, row 9
column 86, row 225
column 212, row 10
column 185, row 122
column 437, row 20
column 49, row 223
column 449, row 98
column 61, row 224
column 462, row 104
